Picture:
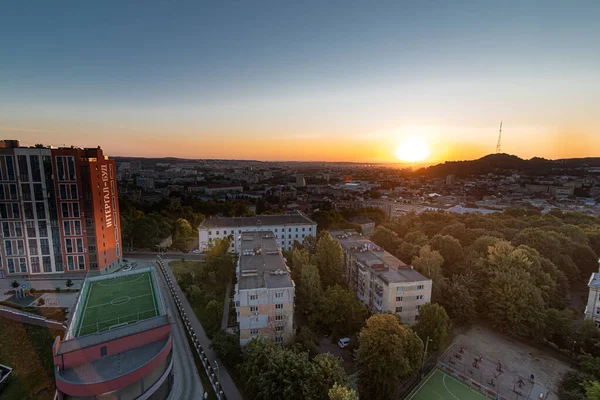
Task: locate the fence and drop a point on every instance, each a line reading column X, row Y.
column 210, row 370
column 30, row 318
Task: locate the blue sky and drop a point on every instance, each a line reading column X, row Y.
column 316, row 80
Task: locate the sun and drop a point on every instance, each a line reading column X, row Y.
column 412, row 150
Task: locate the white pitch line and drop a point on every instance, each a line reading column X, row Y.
column 120, row 283
column 110, row 304
column 446, row 386
column 421, row 385
column 153, row 296
column 89, row 294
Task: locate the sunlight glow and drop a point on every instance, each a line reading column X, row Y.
column 412, row 150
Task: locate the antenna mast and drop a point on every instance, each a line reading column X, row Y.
column 498, row 150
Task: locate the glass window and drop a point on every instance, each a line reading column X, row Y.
column 33, row 249
column 13, row 192
column 36, row 174
column 40, row 210
column 26, row 191
column 71, row 168
column 30, row 225
column 45, row 244
column 79, row 245
column 16, row 211
column 77, row 228
column 10, row 168
column 35, row 264
column 37, row 192
column 118, row 248
column 23, row 168
column 18, row 229
column 69, row 245
column 398, row 309
column 3, row 210
column 2, row 196
column 67, row 228
column 10, row 262
column 42, row 228
column 21, row 247
column 75, row 210
column 28, row 209
column 81, row 262
column 65, row 210
column 8, row 247
column 23, row 264
column 60, row 167
column 74, row 195
column 63, row 191
column 47, row 264
column 70, row 263
column 6, row 229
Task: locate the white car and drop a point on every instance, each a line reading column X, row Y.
column 127, row 268
column 196, row 251
column 343, row 343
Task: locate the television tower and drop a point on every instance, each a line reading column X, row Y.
column 498, row 149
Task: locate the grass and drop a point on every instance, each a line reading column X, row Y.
column 440, row 386
column 27, row 349
column 117, row 301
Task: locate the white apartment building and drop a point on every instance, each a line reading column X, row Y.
column 592, row 310
column 381, row 281
column 264, row 294
column 286, row 229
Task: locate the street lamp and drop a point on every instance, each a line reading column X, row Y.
column 424, row 354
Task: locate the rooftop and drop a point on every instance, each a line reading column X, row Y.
column 116, row 300
column 361, row 219
column 383, row 264
column 235, row 222
column 261, row 263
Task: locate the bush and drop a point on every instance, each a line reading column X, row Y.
column 57, row 289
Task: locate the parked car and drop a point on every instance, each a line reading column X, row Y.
column 343, row 343
column 197, row 251
column 127, row 268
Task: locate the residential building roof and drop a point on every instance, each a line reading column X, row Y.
column 361, row 219
column 382, row 263
column 261, row 263
column 267, row 220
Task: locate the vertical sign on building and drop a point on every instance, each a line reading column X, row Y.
column 106, row 191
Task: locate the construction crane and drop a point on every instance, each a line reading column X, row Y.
column 498, row 149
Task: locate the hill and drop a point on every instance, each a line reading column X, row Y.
column 504, row 164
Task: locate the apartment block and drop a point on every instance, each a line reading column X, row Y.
column 592, row 309
column 286, row 229
column 58, row 210
column 381, row 281
column 264, row 293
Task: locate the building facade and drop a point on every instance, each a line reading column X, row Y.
column 286, row 228
column 58, row 210
column 592, row 309
column 264, row 294
column 381, row 281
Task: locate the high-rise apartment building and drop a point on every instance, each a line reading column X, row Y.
column 58, row 210
column 381, row 281
column 264, row 294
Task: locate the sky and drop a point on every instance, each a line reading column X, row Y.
column 309, row 80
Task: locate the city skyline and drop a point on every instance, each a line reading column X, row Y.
column 307, row 82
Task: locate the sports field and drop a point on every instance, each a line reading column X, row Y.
column 440, row 386
column 117, row 301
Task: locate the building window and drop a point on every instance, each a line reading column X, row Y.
column 399, row 298
column 254, row 331
column 279, row 306
column 279, row 317
column 253, row 309
column 253, row 297
column 420, row 297
column 398, row 309
column 417, row 306
column 279, row 328
column 103, row 351
column 279, row 295
column 75, row 210
column 10, row 262
column 35, row 264
column 279, row 340
column 81, row 262
column 400, row 290
column 420, row 287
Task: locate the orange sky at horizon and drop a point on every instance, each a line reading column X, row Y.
column 445, row 143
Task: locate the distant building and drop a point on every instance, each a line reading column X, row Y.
column 450, row 180
column 264, row 294
column 286, row 227
column 592, row 310
column 58, row 210
column 367, row 225
column 116, row 350
column 145, row 182
column 222, row 189
column 382, row 282
column 300, row 181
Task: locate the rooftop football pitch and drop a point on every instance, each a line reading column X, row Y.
column 440, row 386
column 118, row 301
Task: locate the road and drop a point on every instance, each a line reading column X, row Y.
column 228, row 386
column 186, row 384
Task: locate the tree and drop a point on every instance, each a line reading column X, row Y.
column 194, row 293
column 450, row 249
column 386, row 238
column 329, row 371
column 429, row 263
column 69, row 283
column 182, row 230
column 338, row 392
column 330, row 260
column 309, row 289
column 459, row 303
column 300, row 257
column 305, row 341
column 219, row 260
column 434, row 324
column 388, row 353
column 276, row 372
column 592, row 390
column 340, row 312
column 261, row 206
column 227, row 347
column 214, row 313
